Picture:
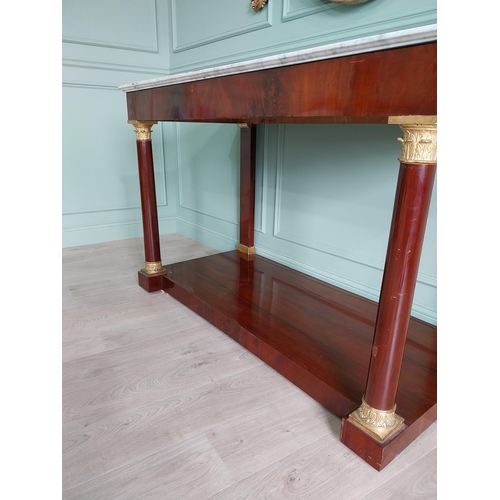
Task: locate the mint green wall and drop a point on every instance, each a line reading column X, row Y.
column 324, row 193
column 211, row 33
column 104, row 45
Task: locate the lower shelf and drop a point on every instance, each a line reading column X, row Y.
column 316, row 335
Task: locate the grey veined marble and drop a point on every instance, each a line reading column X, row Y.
column 372, row 43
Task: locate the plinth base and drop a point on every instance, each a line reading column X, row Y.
column 379, row 454
column 150, row 283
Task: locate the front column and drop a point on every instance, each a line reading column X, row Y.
column 153, row 268
column 377, row 414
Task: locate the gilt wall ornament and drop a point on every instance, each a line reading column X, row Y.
column 258, row 4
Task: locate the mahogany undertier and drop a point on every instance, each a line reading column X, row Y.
column 316, row 335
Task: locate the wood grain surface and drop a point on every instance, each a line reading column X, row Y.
column 363, row 88
column 316, row 335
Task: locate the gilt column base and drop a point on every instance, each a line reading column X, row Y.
column 377, row 423
column 151, row 277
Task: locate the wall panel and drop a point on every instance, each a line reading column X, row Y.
column 202, row 188
column 128, row 34
column 295, row 9
column 104, row 45
column 123, row 24
column 296, row 24
column 100, row 188
column 228, row 19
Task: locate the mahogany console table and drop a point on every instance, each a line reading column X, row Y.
column 371, row 364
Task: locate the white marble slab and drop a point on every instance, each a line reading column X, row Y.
column 373, row 43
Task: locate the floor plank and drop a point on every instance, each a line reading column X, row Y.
column 254, row 441
column 418, row 482
column 191, row 469
column 326, row 469
column 104, row 445
column 193, row 365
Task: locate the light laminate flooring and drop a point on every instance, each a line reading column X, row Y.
column 159, row 404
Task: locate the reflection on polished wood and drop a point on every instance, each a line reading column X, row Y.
column 316, row 335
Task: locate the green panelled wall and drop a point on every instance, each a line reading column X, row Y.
column 104, row 45
column 324, row 193
column 211, row 33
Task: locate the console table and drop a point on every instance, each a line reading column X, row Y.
column 371, row 364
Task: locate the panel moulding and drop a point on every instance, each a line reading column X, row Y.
column 289, row 13
column 70, row 228
column 217, row 215
column 103, row 225
column 91, row 86
column 207, row 236
column 162, row 200
column 181, row 47
column 105, row 66
column 261, row 187
column 152, row 47
column 208, row 213
column 424, row 279
column 419, row 311
column 82, row 41
column 83, row 234
column 319, row 273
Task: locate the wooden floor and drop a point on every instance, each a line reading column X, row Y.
column 159, row 404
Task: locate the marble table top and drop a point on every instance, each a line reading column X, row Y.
column 372, row 43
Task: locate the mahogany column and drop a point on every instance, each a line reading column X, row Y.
column 150, row 276
column 248, row 135
column 377, row 414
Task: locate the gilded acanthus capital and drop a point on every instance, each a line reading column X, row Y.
column 142, row 129
column 419, row 141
